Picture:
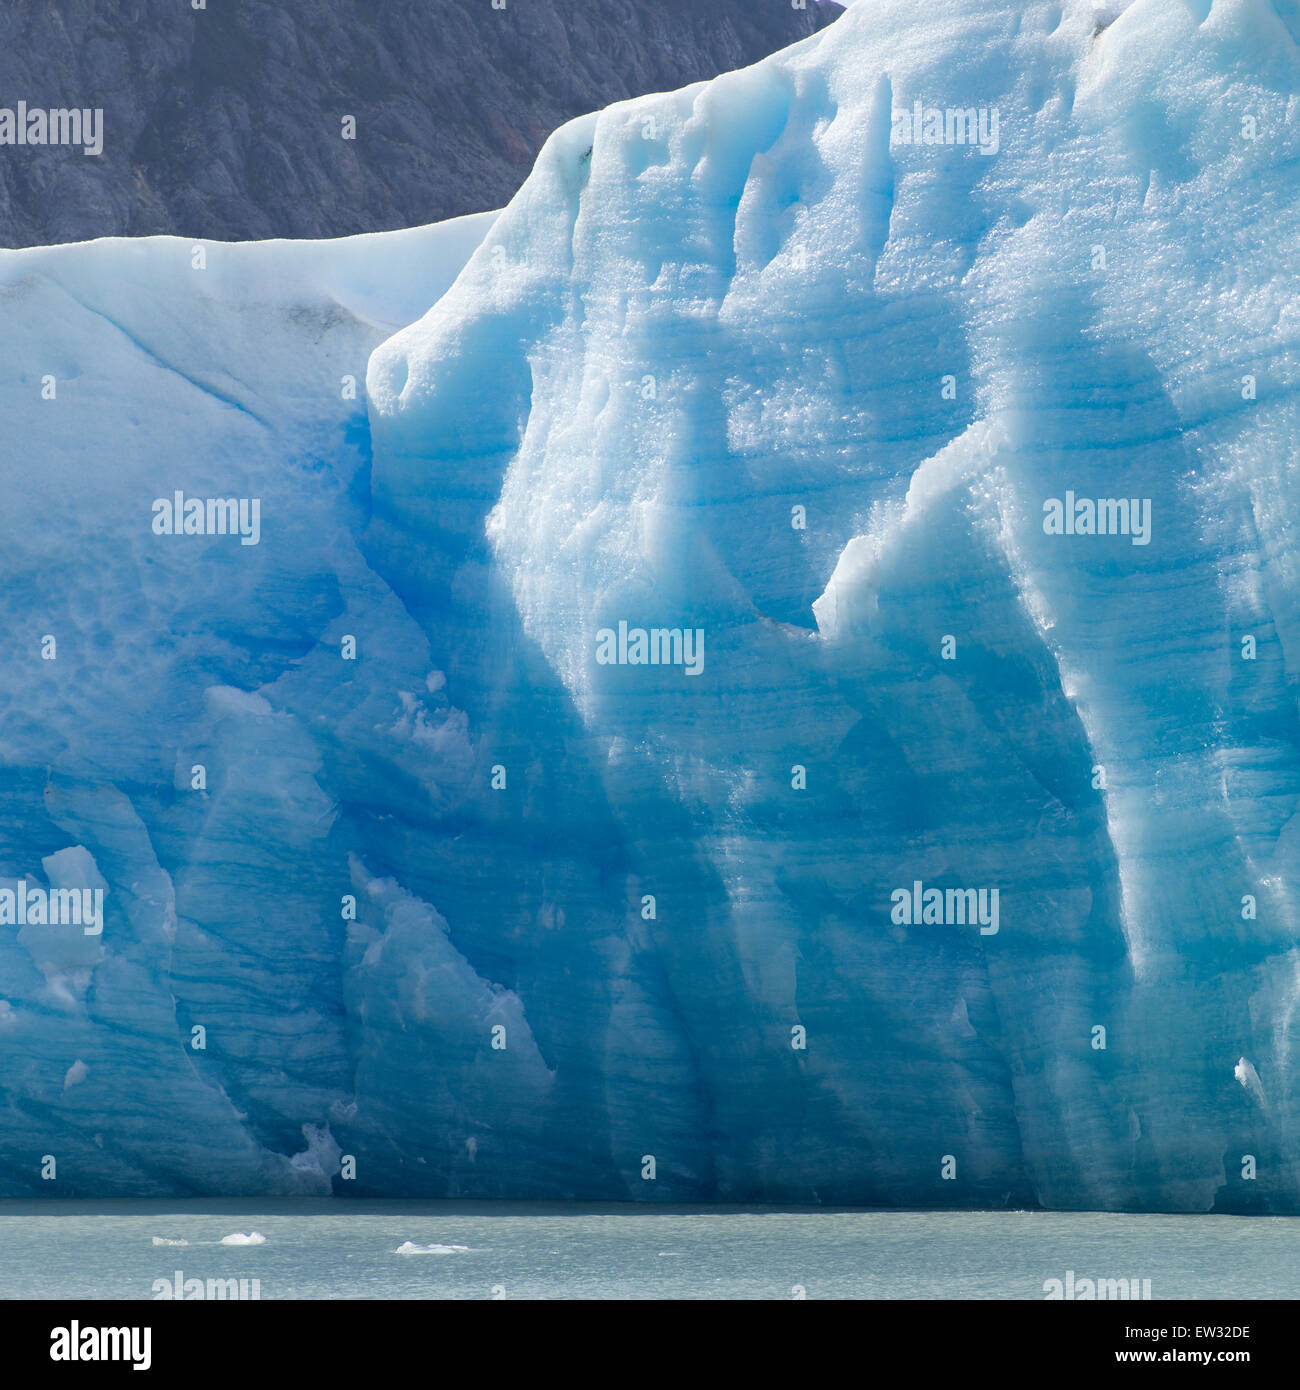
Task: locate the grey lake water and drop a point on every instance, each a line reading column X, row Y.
column 414, row 1250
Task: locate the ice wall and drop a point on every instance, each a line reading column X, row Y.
column 129, row 370
column 797, row 360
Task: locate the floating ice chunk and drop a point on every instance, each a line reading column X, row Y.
column 1249, row 1078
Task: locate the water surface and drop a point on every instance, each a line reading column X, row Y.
column 324, row 1249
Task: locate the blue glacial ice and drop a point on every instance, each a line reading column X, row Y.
column 933, row 385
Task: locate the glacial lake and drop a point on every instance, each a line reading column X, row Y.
column 422, row 1250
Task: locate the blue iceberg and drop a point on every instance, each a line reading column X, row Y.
column 780, row 686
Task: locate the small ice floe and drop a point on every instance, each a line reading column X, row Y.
column 1249, row 1078
column 409, row 1247
column 239, row 1238
column 162, row 1240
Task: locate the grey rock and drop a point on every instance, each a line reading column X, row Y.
column 226, row 122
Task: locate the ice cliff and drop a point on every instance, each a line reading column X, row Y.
column 933, row 383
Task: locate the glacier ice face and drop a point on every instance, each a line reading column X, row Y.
column 759, row 303
column 762, row 361
column 131, row 369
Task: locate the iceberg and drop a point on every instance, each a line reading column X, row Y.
column 936, row 378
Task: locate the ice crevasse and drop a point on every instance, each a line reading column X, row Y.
column 823, row 717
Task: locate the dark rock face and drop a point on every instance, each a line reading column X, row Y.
column 227, row 122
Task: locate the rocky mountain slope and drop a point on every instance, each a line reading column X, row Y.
column 227, row 122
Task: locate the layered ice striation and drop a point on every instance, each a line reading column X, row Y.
column 129, row 371
column 789, row 694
